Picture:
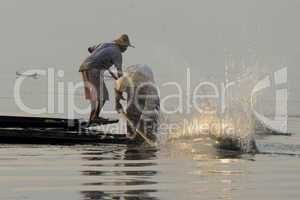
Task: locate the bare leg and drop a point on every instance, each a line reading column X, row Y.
column 94, row 106
column 99, row 108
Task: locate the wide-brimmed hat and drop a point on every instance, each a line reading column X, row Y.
column 123, row 40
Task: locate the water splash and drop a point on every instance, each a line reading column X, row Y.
column 234, row 127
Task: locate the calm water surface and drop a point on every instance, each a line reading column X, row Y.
column 189, row 169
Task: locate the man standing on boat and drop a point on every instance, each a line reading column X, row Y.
column 102, row 57
column 143, row 103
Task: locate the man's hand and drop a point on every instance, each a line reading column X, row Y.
column 90, row 49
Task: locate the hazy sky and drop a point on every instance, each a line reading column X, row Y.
column 169, row 35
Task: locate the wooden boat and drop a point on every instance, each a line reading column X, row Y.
column 36, row 130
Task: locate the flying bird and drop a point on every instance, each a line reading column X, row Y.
column 34, row 75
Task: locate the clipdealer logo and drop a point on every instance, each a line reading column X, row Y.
column 279, row 122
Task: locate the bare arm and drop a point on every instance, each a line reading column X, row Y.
column 118, row 60
column 120, row 87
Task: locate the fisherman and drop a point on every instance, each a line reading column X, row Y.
column 102, row 57
column 143, row 102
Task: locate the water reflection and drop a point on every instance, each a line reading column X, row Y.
column 130, row 176
column 216, row 173
column 128, row 195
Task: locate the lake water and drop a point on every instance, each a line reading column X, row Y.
column 205, row 38
column 188, row 169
